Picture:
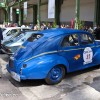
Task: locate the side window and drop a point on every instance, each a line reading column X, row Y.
column 16, row 31
column 70, row 40
column 85, row 39
column 9, row 33
column 13, row 31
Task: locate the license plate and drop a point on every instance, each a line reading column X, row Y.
column 15, row 76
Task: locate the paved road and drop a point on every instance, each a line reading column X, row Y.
column 81, row 85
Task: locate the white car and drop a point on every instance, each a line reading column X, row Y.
column 11, row 32
column 9, row 47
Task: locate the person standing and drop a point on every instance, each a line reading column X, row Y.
column 90, row 30
column 1, row 38
column 97, row 33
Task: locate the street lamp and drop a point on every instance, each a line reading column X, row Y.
column 77, row 14
column 19, row 7
column 38, row 15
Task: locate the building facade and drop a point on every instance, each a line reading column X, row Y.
column 65, row 11
column 2, row 16
column 2, row 11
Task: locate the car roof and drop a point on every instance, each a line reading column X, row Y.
column 17, row 28
column 60, row 31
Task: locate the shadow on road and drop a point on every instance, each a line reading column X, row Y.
column 29, row 83
column 96, row 83
column 72, row 74
column 25, row 83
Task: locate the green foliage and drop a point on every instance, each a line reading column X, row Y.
column 79, row 24
column 54, row 24
column 46, row 23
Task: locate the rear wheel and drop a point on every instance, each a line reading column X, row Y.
column 55, row 75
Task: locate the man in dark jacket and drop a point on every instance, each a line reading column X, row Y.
column 97, row 33
column 1, row 38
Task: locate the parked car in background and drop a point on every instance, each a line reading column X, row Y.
column 10, row 32
column 50, row 54
column 9, row 47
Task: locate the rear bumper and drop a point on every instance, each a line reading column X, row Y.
column 33, row 74
column 16, row 76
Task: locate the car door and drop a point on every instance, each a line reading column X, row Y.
column 71, row 51
column 89, row 50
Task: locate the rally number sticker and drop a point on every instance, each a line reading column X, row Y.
column 87, row 55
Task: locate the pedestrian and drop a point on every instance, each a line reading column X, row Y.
column 85, row 28
column 36, row 27
column 62, row 26
column 90, row 30
column 49, row 26
column 97, row 32
column 1, row 38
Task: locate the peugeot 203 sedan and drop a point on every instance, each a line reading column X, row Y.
column 49, row 54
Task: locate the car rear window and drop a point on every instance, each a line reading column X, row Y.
column 34, row 37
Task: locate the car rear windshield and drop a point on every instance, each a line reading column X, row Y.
column 34, row 37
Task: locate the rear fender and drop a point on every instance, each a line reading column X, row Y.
column 45, row 63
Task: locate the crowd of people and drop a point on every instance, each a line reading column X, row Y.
column 43, row 26
column 94, row 30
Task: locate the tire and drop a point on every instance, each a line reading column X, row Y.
column 55, row 75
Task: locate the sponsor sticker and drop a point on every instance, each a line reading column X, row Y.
column 77, row 57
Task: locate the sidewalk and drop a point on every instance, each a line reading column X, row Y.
column 7, row 90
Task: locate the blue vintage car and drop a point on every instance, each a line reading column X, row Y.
column 50, row 54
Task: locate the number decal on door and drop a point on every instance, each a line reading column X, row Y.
column 87, row 55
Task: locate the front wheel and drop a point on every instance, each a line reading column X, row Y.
column 55, row 75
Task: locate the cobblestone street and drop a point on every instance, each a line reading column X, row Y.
column 81, row 85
